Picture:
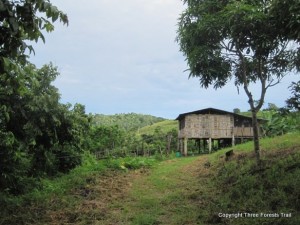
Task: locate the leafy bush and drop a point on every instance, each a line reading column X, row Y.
column 281, row 123
column 39, row 136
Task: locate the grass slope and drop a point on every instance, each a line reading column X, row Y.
column 165, row 126
column 208, row 190
column 193, row 190
column 269, row 194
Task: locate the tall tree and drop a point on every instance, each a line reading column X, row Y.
column 242, row 40
column 29, row 106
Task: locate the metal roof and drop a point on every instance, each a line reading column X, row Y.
column 213, row 111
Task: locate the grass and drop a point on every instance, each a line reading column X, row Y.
column 271, row 190
column 187, row 190
column 65, row 198
column 165, row 126
column 163, row 197
column 192, row 191
column 267, row 144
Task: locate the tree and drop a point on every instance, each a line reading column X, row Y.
column 236, row 110
column 271, row 107
column 39, row 136
column 240, row 40
column 294, row 101
column 22, row 21
column 29, row 137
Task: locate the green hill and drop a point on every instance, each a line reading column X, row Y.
column 165, row 126
column 127, row 121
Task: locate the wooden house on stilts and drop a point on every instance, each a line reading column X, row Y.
column 211, row 125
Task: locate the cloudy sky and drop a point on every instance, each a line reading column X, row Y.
column 120, row 56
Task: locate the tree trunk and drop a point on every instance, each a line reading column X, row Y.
column 168, row 148
column 254, row 108
column 256, row 136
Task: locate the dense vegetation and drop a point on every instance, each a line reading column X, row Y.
column 48, row 149
column 39, row 135
column 127, row 121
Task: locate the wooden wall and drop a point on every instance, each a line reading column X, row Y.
column 206, row 126
column 243, row 131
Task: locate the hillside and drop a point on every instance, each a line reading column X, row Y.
column 207, row 190
column 165, row 126
column 247, row 194
column 127, row 121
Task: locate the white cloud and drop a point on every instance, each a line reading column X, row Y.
column 121, row 56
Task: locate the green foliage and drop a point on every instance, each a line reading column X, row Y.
column 106, row 138
column 59, row 193
column 114, row 141
column 162, row 141
column 39, row 135
column 23, row 21
column 236, row 110
column 269, row 190
column 36, row 131
column 280, row 124
column 165, row 126
column 241, row 40
column 286, row 12
column 171, row 190
column 294, row 101
column 128, row 122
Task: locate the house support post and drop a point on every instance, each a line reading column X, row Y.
column 185, row 140
column 180, row 147
column 233, row 141
column 209, row 145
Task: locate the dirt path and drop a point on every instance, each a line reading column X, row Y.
column 171, row 193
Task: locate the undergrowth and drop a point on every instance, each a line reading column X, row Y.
column 53, row 194
column 236, row 188
column 249, row 194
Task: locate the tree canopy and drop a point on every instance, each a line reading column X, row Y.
column 294, row 101
column 38, row 135
column 248, row 41
column 22, row 21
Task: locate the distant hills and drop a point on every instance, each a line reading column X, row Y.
column 146, row 124
column 127, row 121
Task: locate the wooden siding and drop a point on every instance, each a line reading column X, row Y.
column 206, row 126
column 243, row 131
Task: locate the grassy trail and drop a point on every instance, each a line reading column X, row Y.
column 172, row 193
column 191, row 190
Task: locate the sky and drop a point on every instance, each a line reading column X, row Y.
column 121, row 56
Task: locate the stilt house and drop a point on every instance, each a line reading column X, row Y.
column 208, row 125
